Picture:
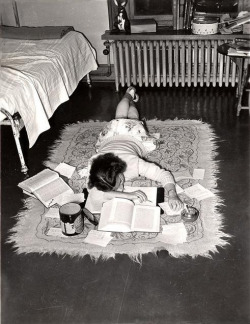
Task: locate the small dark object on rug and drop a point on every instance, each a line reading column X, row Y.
column 90, row 217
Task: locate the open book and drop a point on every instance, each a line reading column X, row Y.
column 94, row 201
column 122, row 215
column 47, row 186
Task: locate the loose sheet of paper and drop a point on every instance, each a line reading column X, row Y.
column 70, row 197
column 199, row 192
column 198, row 174
column 83, row 172
column 175, row 233
column 53, row 213
column 65, row 169
column 56, row 231
column 178, row 189
column 180, row 175
column 98, row 238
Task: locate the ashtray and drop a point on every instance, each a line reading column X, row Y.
column 189, row 214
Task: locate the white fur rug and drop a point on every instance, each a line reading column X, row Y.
column 184, row 145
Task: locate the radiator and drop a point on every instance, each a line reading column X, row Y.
column 172, row 63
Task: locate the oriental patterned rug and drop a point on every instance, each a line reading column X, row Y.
column 184, row 146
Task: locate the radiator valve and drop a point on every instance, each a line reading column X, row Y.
column 106, row 51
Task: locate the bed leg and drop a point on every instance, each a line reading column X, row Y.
column 89, row 80
column 15, row 126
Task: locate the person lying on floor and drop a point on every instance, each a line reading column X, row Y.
column 120, row 148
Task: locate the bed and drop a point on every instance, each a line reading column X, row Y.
column 37, row 75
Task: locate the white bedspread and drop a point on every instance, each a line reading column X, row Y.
column 37, row 76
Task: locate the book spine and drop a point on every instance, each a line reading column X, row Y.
column 185, row 14
column 174, row 10
column 190, row 14
column 177, row 14
column 181, row 19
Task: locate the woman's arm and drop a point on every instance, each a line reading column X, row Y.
column 138, row 194
column 154, row 172
column 173, row 199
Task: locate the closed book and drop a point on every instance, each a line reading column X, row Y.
column 143, row 26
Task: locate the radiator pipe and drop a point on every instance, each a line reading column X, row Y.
column 106, row 52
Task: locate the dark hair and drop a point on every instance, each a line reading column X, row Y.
column 104, row 171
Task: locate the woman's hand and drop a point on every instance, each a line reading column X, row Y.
column 173, row 200
column 138, row 195
column 175, row 203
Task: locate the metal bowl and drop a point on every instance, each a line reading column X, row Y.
column 189, row 214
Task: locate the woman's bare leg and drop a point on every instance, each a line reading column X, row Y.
column 123, row 108
column 126, row 108
column 133, row 112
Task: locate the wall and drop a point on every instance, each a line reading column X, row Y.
column 87, row 16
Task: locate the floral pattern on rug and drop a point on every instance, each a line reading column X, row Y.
column 176, row 152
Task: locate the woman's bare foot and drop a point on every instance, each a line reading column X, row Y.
column 132, row 92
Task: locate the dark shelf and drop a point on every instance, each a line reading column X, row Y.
column 166, row 33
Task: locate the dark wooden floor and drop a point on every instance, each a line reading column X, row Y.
column 49, row 289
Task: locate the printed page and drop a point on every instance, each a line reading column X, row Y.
column 29, row 194
column 146, row 219
column 48, row 193
column 116, row 215
column 37, row 181
column 198, row 191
